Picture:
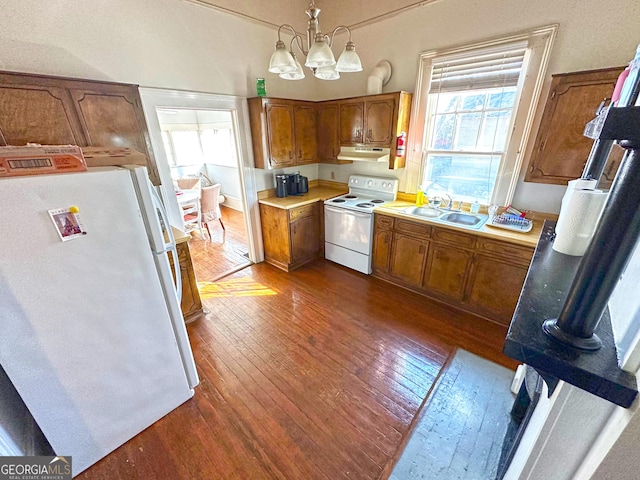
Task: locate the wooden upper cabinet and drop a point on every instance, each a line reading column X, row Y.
column 561, row 150
column 328, row 132
column 283, row 132
column 306, row 141
column 60, row 111
column 379, row 122
column 280, row 134
column 37, row 114
column 351, row 122
column 315, row 131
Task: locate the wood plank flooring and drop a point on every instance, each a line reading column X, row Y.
column 211, row 259
column 314, row 374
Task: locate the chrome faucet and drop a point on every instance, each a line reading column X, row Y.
column 449, row 202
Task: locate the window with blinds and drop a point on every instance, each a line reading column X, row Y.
column 472, row 117
column 471, row 102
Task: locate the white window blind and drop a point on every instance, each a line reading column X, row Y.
column 485, row 69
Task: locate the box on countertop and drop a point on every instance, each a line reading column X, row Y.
column 37, row 159
column 107, row 156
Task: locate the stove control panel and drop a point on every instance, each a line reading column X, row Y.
column 374, row 184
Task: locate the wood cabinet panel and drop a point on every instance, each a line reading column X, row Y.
column 447, row 270
column 494, row 287
column 39, row 115
column 110, row 120
column 280, row 134
column 305, row 237
column 515, row 253
column 351, row 123
column 408, row 255
column 561, row 150
column 382, row 240
column 191, row 303
column 305, row 134
column 379, row 122
column 328, row 122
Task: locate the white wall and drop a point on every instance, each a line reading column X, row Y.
column 592, row 34
column 154, row 43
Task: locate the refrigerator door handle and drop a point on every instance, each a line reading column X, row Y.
column 170, row 246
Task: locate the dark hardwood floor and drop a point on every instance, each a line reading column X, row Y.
column 314, row 374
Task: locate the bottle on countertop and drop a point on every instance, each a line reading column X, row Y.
column 475, row 207
column 419, row 197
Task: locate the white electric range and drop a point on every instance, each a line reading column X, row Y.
column 348, row 220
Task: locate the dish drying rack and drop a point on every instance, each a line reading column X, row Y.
column 509, row 221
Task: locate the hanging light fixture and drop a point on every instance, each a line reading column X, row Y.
column 320, row 58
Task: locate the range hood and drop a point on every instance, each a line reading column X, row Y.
column 364, row 154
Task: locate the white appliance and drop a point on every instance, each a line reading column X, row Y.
column 348, row 220
column 93, row 338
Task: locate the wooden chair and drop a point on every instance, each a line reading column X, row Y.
column 211, row 208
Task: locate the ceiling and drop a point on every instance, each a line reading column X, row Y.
column 352, row 13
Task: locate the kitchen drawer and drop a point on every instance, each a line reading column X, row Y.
column 413, row 228
column 383, row 222
column 301, row 212
column 460, row 240
column 507, row 250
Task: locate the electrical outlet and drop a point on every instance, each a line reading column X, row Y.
column 333, row 175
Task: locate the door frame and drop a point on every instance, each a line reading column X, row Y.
column 153, row 98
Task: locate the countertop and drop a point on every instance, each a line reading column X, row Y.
column 314, row 194
column 529, row 239
column 543, row 295
column 179, row 235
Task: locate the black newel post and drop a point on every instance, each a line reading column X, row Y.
column 613, row 242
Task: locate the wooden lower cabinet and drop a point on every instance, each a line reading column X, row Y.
column 494, row 287
column 447, row 271
column 474, row 273
column 408, row 257
column 291, row 237
column 191, row 304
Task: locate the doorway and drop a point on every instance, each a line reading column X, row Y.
column 202, row 143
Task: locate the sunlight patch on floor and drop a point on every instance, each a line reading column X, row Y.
column 237, row 287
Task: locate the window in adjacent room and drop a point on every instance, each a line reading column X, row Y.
column 474, row 109
column 194, row 137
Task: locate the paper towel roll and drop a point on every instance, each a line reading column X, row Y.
column 579, row 215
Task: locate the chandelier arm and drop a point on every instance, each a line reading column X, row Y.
column 297, row 36
column 330, row 39
column 288, row 27
column 299, row 43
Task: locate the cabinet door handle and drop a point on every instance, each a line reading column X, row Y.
column 300, row 154
column 369, row 134
column 421, row 249
column 290, row 155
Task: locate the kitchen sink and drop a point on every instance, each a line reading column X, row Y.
column 424, row 212
column 464, row 219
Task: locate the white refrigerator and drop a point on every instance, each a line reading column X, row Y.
column 91, row 333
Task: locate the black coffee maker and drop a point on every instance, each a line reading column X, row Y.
column 281, row 185
column 293, row 182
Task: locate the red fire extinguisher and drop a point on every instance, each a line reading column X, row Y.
column 400, row 144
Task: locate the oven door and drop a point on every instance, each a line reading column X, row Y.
column 348, row 229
